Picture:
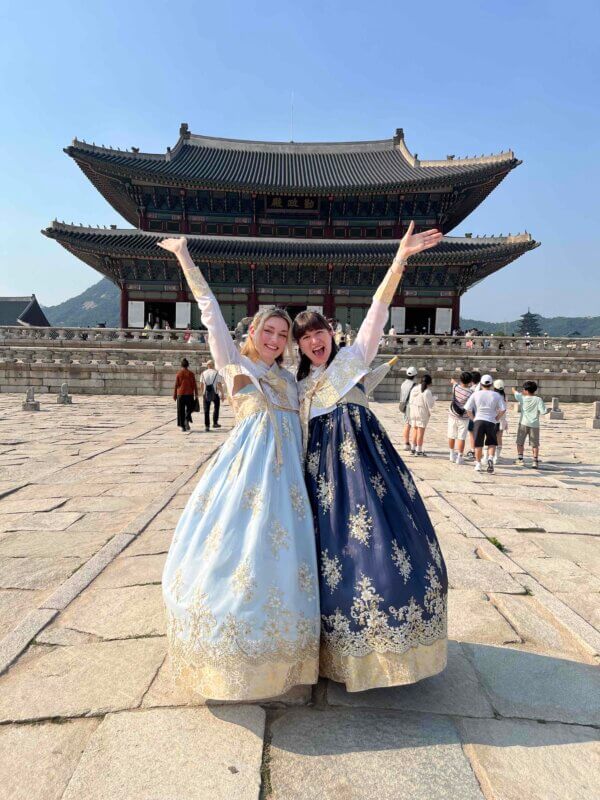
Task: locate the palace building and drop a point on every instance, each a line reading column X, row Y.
column 300, row 225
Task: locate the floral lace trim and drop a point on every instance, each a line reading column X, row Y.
column 395, row 630
column 224, row 657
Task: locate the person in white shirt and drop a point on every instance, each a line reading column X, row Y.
column 405, row 389
column 420, row 403
column 485, row 407
column 211, row 389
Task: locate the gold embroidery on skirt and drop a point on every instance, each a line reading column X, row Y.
column 233, row 664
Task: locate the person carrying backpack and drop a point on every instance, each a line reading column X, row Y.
column 211, row 386
column 458, row 419
column 405, row 389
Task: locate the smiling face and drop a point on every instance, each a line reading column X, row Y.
column 316, row 345
column 270, row 339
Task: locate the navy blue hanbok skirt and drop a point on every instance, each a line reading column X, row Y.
column 383, row 581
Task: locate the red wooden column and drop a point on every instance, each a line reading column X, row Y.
column 455, row 312
column 124, row 307
column 253, row 295
column 329, row 227
column 328, row 299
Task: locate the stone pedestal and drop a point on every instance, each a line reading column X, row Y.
column 594, row 422
column 556, row 413
column 64, row 398
column 30, row 404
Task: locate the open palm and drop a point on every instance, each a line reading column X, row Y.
column 412, row 243
column 174, row 245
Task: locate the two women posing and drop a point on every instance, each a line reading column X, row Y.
column 253, row 607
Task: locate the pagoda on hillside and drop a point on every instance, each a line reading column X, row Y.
column 310, row 225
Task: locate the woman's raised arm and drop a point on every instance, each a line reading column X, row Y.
column 220, row 342
column 371, row 330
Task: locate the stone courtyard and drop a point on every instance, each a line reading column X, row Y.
column 89, row 497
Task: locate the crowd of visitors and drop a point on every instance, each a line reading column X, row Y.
column 477, row 412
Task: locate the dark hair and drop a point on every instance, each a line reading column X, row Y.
column 500, row 392
column 425, row 381
column 530, row 386
column 475, row 376
column 466, row 377
column 305, row 322
column 185, row 363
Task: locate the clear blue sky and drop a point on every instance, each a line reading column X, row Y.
column 460, row 77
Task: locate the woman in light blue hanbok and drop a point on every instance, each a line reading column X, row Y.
column 240, row 579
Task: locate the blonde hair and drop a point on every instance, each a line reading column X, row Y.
column 258, row 322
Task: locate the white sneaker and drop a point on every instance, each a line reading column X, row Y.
column 458, row 459
column 451, row 456
column 495, row 458
column 477, row 467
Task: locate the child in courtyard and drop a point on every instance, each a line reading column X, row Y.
column 458, row 419
column 485, row 407
column 531, row 408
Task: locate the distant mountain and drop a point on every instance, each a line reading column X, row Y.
column 99, row 303
column 553, row 326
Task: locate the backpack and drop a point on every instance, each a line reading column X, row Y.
column 210, row 393
column 454, row 407
column 403, row 404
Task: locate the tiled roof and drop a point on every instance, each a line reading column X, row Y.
column 132, row 243
column 22, row 311
column 332, row 167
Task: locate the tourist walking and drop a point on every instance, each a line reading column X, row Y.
column 240, row 580
column 405, row 390
column 185, row 392
column 458, row 419
column 485, row 407
column 420, row 404
column 475, row 378
column 531, row 407
column 383, row 582
column 502, row 424
column 211, row 388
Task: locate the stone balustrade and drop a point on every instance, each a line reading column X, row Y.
column 112, row 361
column 174, row 339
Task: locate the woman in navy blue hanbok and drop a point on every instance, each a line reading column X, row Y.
column 383, row 581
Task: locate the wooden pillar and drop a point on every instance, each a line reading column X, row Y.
column 124, row 307
column 254, row 225
column 328, row 299
column 185, row 227
column 253, row 295
column 329, row 226
column 455, row 312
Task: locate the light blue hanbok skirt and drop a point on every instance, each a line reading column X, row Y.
column 240, row 580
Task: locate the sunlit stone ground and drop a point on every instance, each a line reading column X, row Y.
column 95, row 489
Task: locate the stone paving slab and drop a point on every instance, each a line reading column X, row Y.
column 37, row 761
column 131, row 571
column 81, row 680
column 36, row 573
column 117, row 613
column 538, row 628
column 531, row 686
column 361, row 754
column 473, row 618
column 479, row 574
column 520, row 760
column 179, row 753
